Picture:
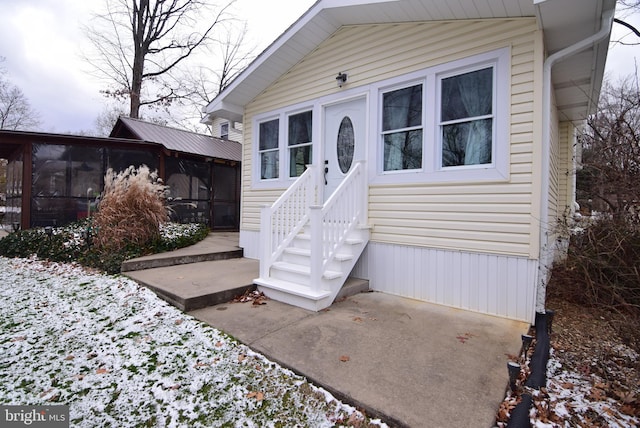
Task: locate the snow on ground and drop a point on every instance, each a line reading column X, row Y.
column 577, row 399
column 119, row 356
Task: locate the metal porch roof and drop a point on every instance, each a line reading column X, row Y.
column 180, row 140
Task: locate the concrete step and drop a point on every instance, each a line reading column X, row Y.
column 160, row 260
column 198, row 285
column 216, row 246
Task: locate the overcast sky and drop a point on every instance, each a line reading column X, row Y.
column 42, row 41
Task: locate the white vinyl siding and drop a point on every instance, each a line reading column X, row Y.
column 494, row 216
column 487, row 283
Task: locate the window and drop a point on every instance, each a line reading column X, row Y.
column 445, row 123
column 466, row 118
column 283, row 143
column 224, row 130
column 300, row 132
column 402, row 128
column 268, row 149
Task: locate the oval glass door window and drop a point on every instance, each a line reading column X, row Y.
column 345, row 144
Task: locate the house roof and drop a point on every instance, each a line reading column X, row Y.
column 177, row 140
column 577, row 80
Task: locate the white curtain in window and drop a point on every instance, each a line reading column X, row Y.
column 476, row 93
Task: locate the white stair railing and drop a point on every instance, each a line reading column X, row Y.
column 344, row 211
column 282, row 221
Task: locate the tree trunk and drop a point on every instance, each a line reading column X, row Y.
column 139, row 51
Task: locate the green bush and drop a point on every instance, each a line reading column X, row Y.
column 69, row 244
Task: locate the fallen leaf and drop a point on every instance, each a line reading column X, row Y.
column 597, row 394
column 344, row 358
column 259, row 396
column 102, row 371
column 69, row 357
column 241, row 358
column 357, row 319
column 219, row 344
column 178, row 322
column 18, row 339
column 201, row 365
column 462, row 339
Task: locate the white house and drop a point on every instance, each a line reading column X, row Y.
column 424, row 145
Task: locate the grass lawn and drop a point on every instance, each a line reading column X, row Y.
column 119, row 356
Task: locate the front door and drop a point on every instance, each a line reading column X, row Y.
column 344, row 140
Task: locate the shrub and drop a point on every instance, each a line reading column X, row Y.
column 602, row 267
column 131, row 209
column 69, row 244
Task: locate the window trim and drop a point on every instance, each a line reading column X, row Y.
column 260, row 152
column 432, row 170
column 283, row 180
column 222, row 132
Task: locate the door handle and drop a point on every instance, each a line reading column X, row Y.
column 326, row 170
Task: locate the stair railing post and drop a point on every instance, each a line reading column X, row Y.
column 315, row 222
column 265, row 241
column 363, row 189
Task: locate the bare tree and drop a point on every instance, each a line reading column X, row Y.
column 205, row 82
column 142, row 44
column 626, row 7
column 608, row 180
column 16, row 112
column 107, row 119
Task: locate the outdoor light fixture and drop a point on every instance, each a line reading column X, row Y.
column 15, row 226
column 341, row 79
column 514, row 372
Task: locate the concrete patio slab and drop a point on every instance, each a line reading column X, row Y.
column 412, row 363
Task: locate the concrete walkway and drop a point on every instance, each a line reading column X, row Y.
column 409, row 362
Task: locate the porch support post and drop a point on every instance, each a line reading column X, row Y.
column 315, row 221
column 265, row 241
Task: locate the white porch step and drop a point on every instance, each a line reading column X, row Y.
column 303, row 270
column 305, row 252
column 294, row 294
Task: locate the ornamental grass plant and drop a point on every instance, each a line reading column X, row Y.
column 131, row 210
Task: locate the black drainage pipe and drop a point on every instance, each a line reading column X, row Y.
column 520, row 414
column 538, row 365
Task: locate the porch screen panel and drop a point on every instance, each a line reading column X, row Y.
column 121, row 159
column 65, row 181
column 14, row 190
column 402, row 129
column 189, row 185
column 226, row 188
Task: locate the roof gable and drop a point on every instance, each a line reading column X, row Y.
column 177, row 139
column 563, row 22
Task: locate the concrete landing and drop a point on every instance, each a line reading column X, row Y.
column 411, row 363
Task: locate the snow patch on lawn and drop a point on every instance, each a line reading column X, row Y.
column 120, row 356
